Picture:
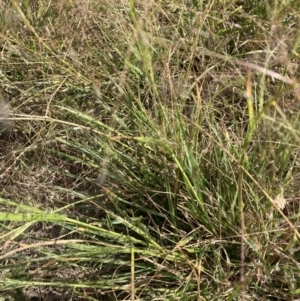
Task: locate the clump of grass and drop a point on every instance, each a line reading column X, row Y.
column 154, row 153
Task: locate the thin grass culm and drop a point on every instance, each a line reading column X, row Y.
column 149, row 150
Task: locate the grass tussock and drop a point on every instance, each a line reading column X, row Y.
column 151, row 150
